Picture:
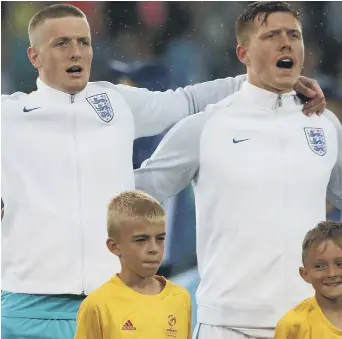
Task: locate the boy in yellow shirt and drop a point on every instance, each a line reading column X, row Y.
column 136, row 303
column 319, row 317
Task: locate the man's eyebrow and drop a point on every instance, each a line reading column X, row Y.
column 62, row 38
column 288, row 30
column 68, row 38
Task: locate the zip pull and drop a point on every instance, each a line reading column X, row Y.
column 279, row 101
column 72, row 98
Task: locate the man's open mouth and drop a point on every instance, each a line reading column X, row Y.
column 285, row 62
column 74, row 69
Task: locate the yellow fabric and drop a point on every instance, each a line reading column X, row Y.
column 306, row 321
column 116, row 311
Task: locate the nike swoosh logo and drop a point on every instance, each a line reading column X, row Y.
column 237, row 141
column 29, row 109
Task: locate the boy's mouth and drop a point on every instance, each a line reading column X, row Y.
column 333, row 284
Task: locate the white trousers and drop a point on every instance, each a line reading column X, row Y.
column 203, row 331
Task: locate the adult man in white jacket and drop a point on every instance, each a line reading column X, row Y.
column 261, row 172
column 66, row 150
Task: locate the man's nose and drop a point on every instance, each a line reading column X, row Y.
column 285, row 43
column 75, row 51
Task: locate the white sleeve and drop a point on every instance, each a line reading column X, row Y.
column 154, row 112
column 176, row 160
column 334, row 193
column 14, row 96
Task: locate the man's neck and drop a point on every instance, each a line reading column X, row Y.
column 332, row 309
column 258, row 83
column 56, row 88
column 144, row 285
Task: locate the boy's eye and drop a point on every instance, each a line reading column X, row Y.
column 339, row 264
column 140, row 240
column 161, row 238
column 319, row 266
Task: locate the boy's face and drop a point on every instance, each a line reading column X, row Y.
column 323, row 269
column 140, row 247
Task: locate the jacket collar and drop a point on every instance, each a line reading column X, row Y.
column 269, row 100
column 54, row 94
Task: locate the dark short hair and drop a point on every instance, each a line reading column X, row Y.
column 54, row 12
column 261, row 9
column 325, row 230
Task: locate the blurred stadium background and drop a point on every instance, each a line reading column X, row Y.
column 162, row 45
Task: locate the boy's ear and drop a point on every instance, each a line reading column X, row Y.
column 304, row 274
column 113, row 246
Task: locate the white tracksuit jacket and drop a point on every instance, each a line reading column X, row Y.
column 63, row 158
column 261, row 170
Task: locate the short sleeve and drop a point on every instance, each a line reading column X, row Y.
column 88, row 321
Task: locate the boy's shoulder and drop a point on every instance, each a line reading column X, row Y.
column 299, row 314
column 177, row 289
column 99, row 296
column 179, row 292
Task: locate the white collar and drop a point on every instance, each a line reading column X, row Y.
column 52, row 93
column 269, row 100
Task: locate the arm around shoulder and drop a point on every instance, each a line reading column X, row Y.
column 154, row 112
column 14, row 96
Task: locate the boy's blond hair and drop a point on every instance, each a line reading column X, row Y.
column 325, row 230
column 133, row 205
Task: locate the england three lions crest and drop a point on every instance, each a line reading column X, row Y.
column 102, row 106
column 316, row 140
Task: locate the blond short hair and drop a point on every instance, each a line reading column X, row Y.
column 325, row 230
column 53, row 12
column 133, row 205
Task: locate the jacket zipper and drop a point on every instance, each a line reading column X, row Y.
column 80, row 200
column 279, row 104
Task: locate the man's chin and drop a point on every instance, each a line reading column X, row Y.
column 75, row 86
column 286, row 80
column 285, row 85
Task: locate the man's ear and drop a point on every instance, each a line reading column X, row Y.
column 242, row 54
column 304, row 274
column 113, row 246
column 33, row 55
